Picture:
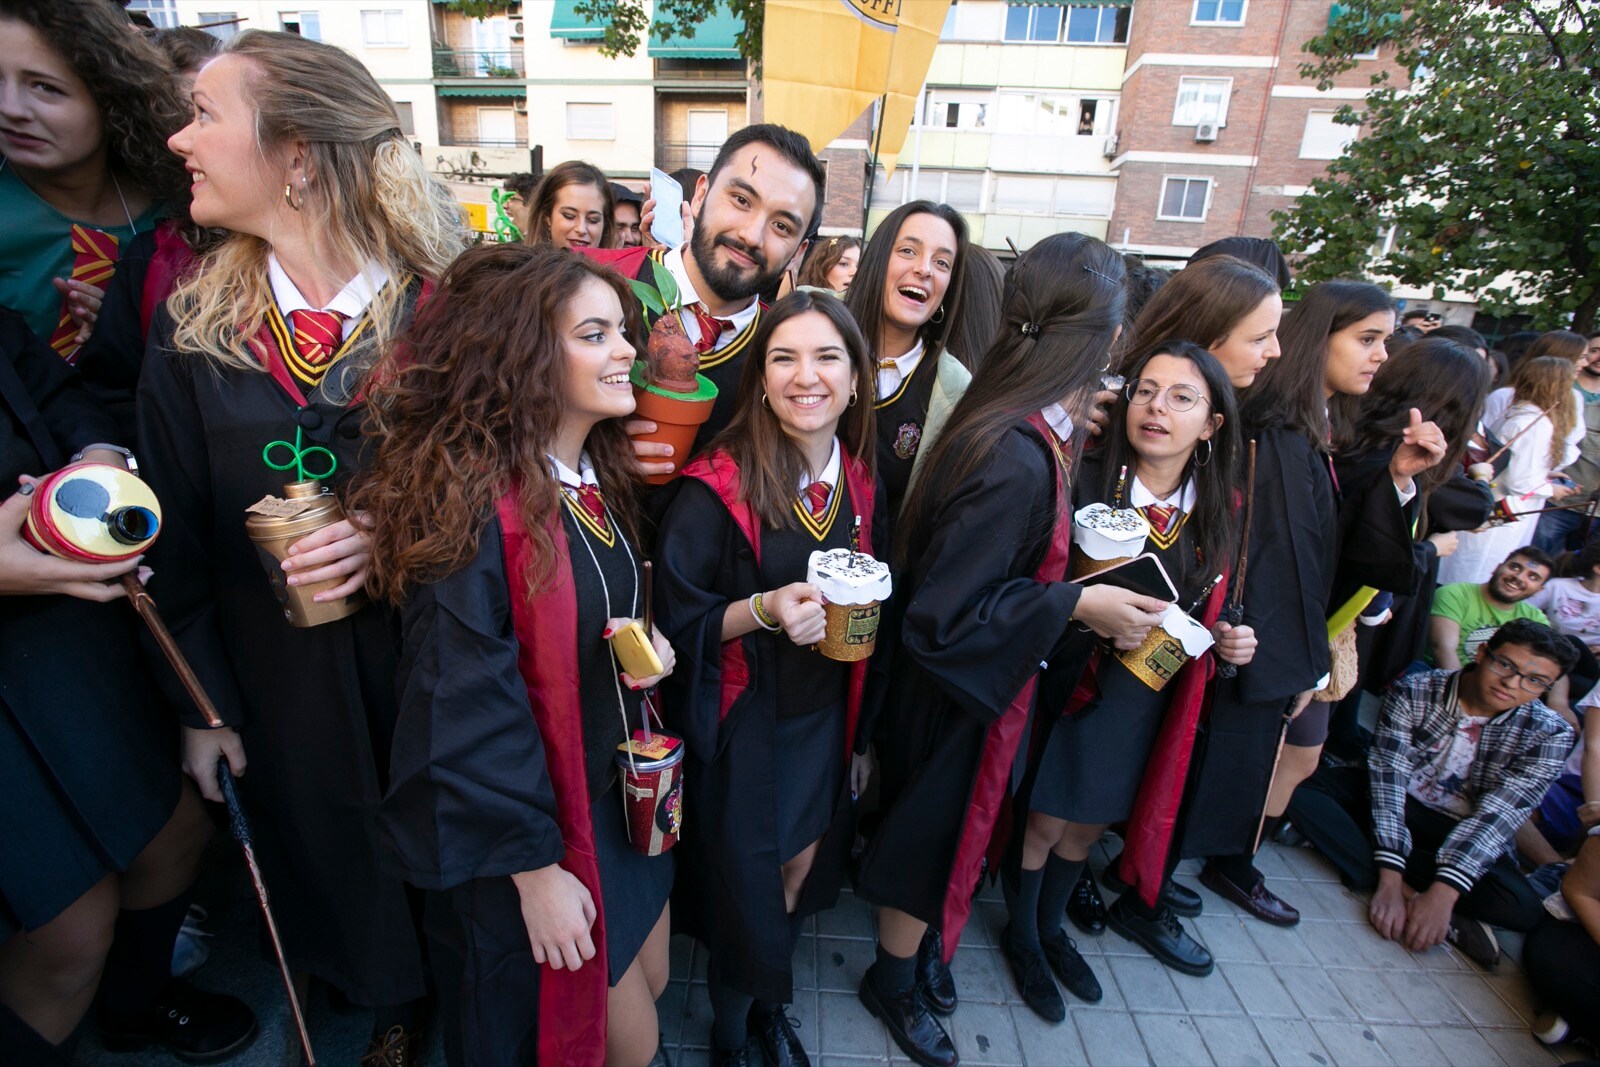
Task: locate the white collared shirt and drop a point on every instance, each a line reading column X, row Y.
column 1059, row 421
column 830, row 473
column 742, row 318
column 893, row 375
column 1184, row 499
column 570, row 479
column 351, row 301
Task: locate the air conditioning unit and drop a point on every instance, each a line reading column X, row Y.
column 1110, row 150
column 516, row 30
column 1205, row 131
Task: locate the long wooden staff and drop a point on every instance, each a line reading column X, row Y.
column 1233, row 614
column 139, row 596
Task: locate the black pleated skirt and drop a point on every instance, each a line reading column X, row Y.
column 1095, row 758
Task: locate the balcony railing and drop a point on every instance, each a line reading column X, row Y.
column 455, row 63
column 672, row 156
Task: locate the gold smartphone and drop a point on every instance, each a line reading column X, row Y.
column 634, row 651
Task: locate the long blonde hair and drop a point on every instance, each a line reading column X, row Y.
column 1545, row 384
column 370, row 197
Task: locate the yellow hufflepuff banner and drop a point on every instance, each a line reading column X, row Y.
column 826, row 61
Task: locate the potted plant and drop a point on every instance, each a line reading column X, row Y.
column 667, row 383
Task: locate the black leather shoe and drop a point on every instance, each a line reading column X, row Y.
column 1180, row 898
column 1163, row 937
column 934, row 981
column 1258, row 900
column 774, row 1029
column 1085, row 907
column 398, row 1047
column 739, row 1057
column 1032, row 975
column 914, row 1028
column 193, row 1025
column 1070, row 966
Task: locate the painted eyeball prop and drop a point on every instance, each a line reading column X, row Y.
column 93, row 513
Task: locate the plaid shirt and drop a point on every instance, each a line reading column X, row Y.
column 1520, row 754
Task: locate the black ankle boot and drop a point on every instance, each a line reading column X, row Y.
column 934, row 981
column 1032, row 975
column 192, row 1024
column 739, row 1057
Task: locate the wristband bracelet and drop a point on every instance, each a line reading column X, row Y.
column 763, row 620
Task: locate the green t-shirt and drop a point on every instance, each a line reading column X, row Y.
column 1464, row 604
column 36, row 246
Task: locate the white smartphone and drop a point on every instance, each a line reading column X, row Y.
column 667, row 225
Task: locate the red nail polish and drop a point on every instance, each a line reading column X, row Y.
column 607, row 633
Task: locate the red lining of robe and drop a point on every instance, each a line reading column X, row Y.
column 172, row 257
column 719, row 473
column 991, row 790
column 572, row 1005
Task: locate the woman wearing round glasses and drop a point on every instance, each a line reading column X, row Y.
column 1120, row 751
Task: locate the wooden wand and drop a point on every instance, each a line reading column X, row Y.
column 1233, row 613
column 139, row 596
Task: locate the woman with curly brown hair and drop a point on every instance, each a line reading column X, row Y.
column 505, row 524
column 255, row 378
column 85, row 114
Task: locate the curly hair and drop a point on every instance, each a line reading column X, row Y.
column 1544, row 383
column 470, row 405
column 130, row 81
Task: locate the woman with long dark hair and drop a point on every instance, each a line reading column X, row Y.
column 1120, row 750
column 1227, row 306
column 982, row 550
column 1314, row 544
column 906, row 297
column 572, row 208
column 771, row 723
column 505, row 521
column 255, row 377
column 831, row 264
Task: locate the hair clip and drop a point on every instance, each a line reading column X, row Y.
column 1030, row 329
column 1102, row 274
column 832, row 241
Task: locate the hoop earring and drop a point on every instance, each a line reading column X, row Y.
column 764, row 402
column 852, row 399
column 288, row 197
column 1198, row 462
column 938, row 316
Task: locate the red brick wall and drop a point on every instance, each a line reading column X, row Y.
column 847, row 178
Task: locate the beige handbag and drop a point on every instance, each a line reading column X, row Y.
column 1344, row 665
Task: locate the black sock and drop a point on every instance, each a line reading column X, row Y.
column 1060, row 876
column 1133, row 902
column 139, row 965
column 1237, row 869
column 1025, row 916
column 730, row 1010
column 894, row 975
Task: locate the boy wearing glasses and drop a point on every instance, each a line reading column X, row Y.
column 1458, row 761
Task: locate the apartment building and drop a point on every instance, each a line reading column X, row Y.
column 1020, row 104
column 1217, row 128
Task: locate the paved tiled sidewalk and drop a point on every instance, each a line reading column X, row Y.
column 1328, row 993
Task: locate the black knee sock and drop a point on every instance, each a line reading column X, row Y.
column 894, row 975
column 730, row 1011
column 1025, row 916
column 1134, row 903
column 1240, row 870
column 1060, row 875
column 139, row 965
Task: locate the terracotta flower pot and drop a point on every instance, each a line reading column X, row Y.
column 678, row 417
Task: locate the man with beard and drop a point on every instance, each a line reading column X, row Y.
column 1465, row 614
column 758, row 206
column 625, row 215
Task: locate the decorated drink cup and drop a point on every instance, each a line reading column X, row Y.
column 1105, row 536
column 1166, row 648
column 853, row 587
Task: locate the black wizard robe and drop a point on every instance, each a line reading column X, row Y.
column 986, row 608
column 313, row 705
column 724, row 700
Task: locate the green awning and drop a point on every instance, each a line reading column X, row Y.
column 715, row 38
column 483, row 90
column 566, row 23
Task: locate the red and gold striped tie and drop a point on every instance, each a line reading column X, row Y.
column 817, row 494
column 94, row 261
column 1161, row 516
column 317, row 336
column 592, row 502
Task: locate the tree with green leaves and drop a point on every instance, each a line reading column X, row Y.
column 1486, row 159
column 627, row 22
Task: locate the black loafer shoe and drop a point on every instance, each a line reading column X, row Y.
column 1180, row 898
column 1032, row 975
column 934, row 981
column 1070, row 966
column 1258, row 900
column 1085, row 907
column 774, row 1030
column 193, row 1025
column 914, row 1028
column 398, row 1047
column 1163, row 937
column 739, row 1057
